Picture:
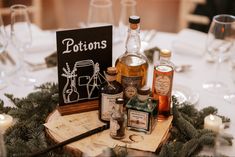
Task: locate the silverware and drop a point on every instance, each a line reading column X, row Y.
column 2, row 59
column 37, row 66
column 182, row 68
column 5, row 56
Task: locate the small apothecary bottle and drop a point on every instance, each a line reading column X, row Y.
column 118, row 120
column 109, row 91
column 142, row 111
column 162, row 84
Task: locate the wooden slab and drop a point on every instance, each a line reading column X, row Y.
column 92, row 144
column 78, row 107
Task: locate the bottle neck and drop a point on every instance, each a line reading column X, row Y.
column 165, row 58
column 142, row 98
column 118, row 108
column 110, row 78
column 133, row 39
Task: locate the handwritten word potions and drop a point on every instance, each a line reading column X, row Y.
column 82, row 45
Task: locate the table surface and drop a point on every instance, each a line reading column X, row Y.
column 200, row 72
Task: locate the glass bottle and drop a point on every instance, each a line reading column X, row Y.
column 132, row 66
column 142, row 111
column 110, row 90
column 118, row 120
column 162, row 84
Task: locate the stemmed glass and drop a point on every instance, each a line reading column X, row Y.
column 3, row 45
column 100, row 13
column 128, row 8
column 230, row 95
column 21, row 38
column 220, row 39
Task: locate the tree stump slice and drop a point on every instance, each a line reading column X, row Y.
column 77, row 152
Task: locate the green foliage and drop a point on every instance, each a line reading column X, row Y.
column 187, row 133
column 28, row 136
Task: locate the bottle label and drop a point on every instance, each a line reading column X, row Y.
column 138, row 119
column 108, row 104
column 130, row 85
column 162, row 84
column 114, row 127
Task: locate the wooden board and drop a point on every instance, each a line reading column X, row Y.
column 78, row 108
column 76, row 147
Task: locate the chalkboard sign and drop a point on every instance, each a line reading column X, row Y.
column 83, row 56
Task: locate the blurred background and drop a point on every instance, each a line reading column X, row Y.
column 162, row 15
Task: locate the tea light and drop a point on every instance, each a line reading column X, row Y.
column 212, row 122
column 5, row 122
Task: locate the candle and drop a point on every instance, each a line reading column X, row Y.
column 5, row 122
column 212, row 122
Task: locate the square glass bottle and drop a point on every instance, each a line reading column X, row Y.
column 142, row 111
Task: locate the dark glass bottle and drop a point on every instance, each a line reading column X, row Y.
column 132, row 66
column 109, row 91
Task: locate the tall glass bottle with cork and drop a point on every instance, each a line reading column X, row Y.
column 162, row 84
column 132, row 66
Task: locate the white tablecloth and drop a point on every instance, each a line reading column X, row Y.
column 200, row 72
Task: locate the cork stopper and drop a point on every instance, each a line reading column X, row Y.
column 119, row 101
column 112, row 71
column 165, row 53
column 145, row 90
column 134, row 21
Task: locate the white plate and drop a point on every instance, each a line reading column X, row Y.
column 185, row 94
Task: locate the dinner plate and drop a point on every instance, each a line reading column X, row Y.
column 185, row 94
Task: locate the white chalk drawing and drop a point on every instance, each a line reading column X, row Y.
column 85, row 82
column 95, row 80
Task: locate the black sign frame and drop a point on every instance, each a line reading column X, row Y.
column 83, row 56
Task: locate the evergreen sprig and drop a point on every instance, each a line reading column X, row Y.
column 27, row 135
column 187, row 133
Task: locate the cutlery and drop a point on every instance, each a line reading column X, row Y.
column 182, row 68
column 5, row 56
column 37, row 66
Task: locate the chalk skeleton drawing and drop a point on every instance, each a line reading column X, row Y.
column 70, row 92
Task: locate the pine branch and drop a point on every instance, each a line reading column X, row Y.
column 183, row 125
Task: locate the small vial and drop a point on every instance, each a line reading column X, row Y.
column 118, row 120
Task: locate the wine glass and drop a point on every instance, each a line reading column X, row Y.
column 220, row 39
column 230, row 95
column 100, row 13
column 128, row 8
column 3, row 45
column 21, row 38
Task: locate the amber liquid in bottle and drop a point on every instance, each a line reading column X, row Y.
column 162, row 89
column 132, row 66
column 132, row 73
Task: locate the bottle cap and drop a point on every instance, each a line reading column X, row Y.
column 145, row 90
column 119, row 101
column 165, row 53
column 112, row 70
column 134, row 19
